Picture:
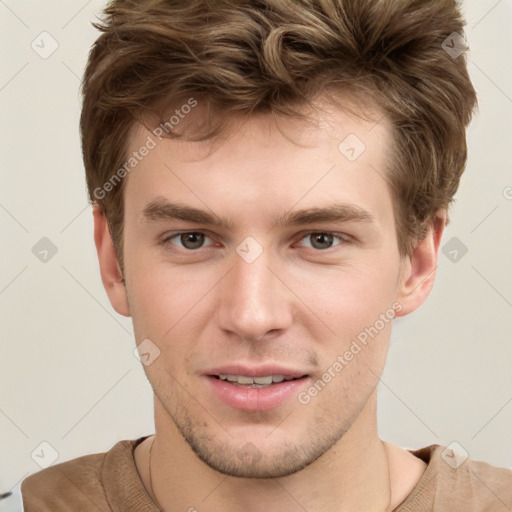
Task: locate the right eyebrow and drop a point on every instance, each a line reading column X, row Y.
column 161, row 209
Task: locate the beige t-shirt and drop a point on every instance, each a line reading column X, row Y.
column 109, row 482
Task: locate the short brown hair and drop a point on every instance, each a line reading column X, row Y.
column 273, row 56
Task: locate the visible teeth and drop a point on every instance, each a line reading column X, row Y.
column 266, row 381
column 263, row 380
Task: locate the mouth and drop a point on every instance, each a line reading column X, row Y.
column 264, row 390
column 245, row 381
column 255, row 388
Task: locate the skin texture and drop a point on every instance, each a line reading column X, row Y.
column 296, row 305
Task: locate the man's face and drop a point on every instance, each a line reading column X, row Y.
column 263, row 298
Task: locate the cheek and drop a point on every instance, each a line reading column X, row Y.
column 169, row 308
column 351, row 299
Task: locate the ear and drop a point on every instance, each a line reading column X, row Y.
column 109, row 267
column 419, row 269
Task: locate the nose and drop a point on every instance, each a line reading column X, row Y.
column 254, row 299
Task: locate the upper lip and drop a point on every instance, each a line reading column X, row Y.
column 255, row 371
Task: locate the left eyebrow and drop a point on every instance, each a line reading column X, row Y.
column 161, row 209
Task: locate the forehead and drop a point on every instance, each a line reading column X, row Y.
column 263, row 165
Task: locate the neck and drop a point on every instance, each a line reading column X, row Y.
column 338, row 481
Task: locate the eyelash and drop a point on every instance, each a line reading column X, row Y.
column 342, row 237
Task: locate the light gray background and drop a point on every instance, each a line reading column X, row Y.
column 68, row 375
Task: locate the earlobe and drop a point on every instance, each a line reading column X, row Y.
column 419, row 269
column 109, row 266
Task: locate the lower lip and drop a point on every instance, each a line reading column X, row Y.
column 255, row 399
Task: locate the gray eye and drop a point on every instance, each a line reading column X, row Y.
column 188, row 241
column 321, row 240
column 192, row 240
